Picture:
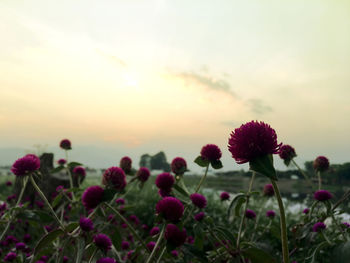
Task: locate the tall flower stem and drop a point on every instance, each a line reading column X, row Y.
column 302, row 172
column 284, row 237
column 161, row 254
column 319, row 180
column 245, row 209
column 202, row 179
column 69, row 175
column 41, row 194
column 25, row 180
column 156, row 245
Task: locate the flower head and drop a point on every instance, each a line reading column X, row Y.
column 170, row 208
column 8, row 183
column 322, row 195
column 61, row 161
column 270, row 214
column 346, row 224
column 321, row 164
column 125, row 164
column 199, row 217
column 164, row 192
column 178, row 166
column 103, row 242
column 92, row 196
column 106, row 260
column 143, row 174
column 165, row 181
column 11, row 256
column 26, row 165
column 287, row 152
column 211, row 152
column 20, row 246
column 306, row 211
column 174, row 235
column 250, row 214
column 319, row 226
column 80, row 171
column 86, row 224
column 150, row 245
column 268, row 190
column 114, row 177
column 224, row 196
column 198, row 200
column 251, row 140
column 174, row 253
column 65, row 144
column 120, row 201
column 125, row 245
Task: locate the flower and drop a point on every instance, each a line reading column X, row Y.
column 270, row 214
column 8, row 183
column 143, row 174
column 65, row 259
column 134, row 219
column 306, row 211
column 80, row 171
column 319, row 226
column 211, row 152
column 61, row 161
column 322, row 195
column 92, row 196
column 65, row 144
column 115, row 177
column 11, row 256
column 103, row 242
column 125, row 245
column 224, row 196
column 287, row 152
column 86, row 224
column 150, row 245
column 199, row 217
column 170, row 208
column 154, row 231
column 174, row 253
column 20, row 246
column 198, row 200
column 120, row 201
column 190, row 239
column 27, row 238
column 178, row 166
column 174, row 235
column 26, row 165
column 106, row 260
column 250, row 214
column 321, row 164
column 164, row 192
column 165, row 181
column 268, row 190
column 346, row 224
column 125, row 164
column 251, row 140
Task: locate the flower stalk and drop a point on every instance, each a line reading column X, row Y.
column 202, row 179
column 156, row 245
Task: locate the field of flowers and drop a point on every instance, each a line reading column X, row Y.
column 133, row 217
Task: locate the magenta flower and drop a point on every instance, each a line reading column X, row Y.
column 106, row 260
column 92, row 197
column 190, row 239
column 134, row 219
column 26, row 165
column 287, row 152
column 86, row 224
column 174, row 253
column 125, row 164
column 268, row 190
column 170, row 208
column 250, row 214
column 322, row 195
column 27, row 238
column 224, row 196
column 198, row 200
column 321, row 164
column 80, row 171
column 8, row 183
column 120, row 201
column 270, row 214
column 346, row 224
column 164, row 192
column 151, row 245
column 154, row 231
column 319, row 226
column 20, row 246
column 174, row 235
column 178, row 166
column 114, row 177
column 103, row 242
column 143, row 174
column 306, row 211
column 165, row 181
column 61, row 161
column 251, row 140
column 199, row 217
column 11, row 256
column 65, row 259
column 65, row 144
column 125, row 245
column 211, row 152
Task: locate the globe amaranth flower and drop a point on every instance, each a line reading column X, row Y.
column 174, row 235
column 134, row 219
column 114, row 177
column 86, row 224
column 170, row 208
column 319, row 226
column 270, row 214
column 306, row 211
column 268, row 190
column 106, row 260
column 120, row 201
column 174, row 253
column 65, row 144
column 125, row 164
column 199, row 217
column 27, row 238
column 251, row 140
column 79, row 171
column 164, row 192
column 224, row 196
column 346, row 224
column 143, row 174
column 190, row 239
column 321, row 164
column 250, row 214
column 9, row 183
column 165, row 181
column 92, row 197
column 287, row 152
column 61, row 161
column 151, row 245
column 125, row 245
column 322, row 195
column 198, row 200
column 211, row 152
column 11, row 256
column 26, row 165
column 20, row 246
column 154, row 231
column 65, row 259
column 178, row 166
column 103, row 242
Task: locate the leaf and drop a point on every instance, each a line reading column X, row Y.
column 180, row 190
column 257, row 255
column 224, row 231
column 240, row 202
column 56, row 201
column 316, row 251
column 201, row 162
column 287, row 161
column 71, row 165
column 116, row 238
column 217, row 164
column 47, row 240
column 264, row 165
column 81, row 248
column 196, row 252
column 199, row 236
column 108, row 195
column 233, row 202
column 57, row 169
column 70, row 227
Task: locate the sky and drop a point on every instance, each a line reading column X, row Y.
column 129, row 77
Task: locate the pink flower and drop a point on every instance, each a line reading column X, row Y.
column 86, row 224
column 80, row 171
column 150, row 245
column 61, row 161
column 198, row 200
column 154, row 231
column 224, row 196
column 287, row 152
column 26, row 165
column 321, row 164
column 114, row 177
column 125, row 245
column 165, row 181
column 143, row 174
column 103, row 242
column 250, row 214
column 174, row 235
column 92, row 196
column 199, row 217
column 268, row 190
column 319, row 226
column 170, row 208
column 211, row 152
column 106, row 260
column 270, row 214
column 322, row 195
column 65, row 144
column 125, row 164
column 178, row 166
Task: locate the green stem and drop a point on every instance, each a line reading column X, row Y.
column 69, row 175
column 41, row 194
column 182, row 183
column 93, row 255
column 161, row 255
column 156, row 245
column 244, row 210
column 302, row 172
column 339, row 226
column 202, row 179
column 325, row 237
column 284, row 237
column 319, row 180
column 257, row 220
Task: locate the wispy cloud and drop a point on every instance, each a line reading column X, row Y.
column 111, row 58
column 258, row 106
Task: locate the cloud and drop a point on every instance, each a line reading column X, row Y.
column 112, row 58
column 257, row 106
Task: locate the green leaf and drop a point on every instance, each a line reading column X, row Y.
column 201, row 162
column 257, row 255
column 108, row 195
column 47, row 240
column 57, row 169
column 70, row 227
column 71, row 165
column 81, row 248
column 316, row 251
column 227, row 234
column 180, row 190
column 57, row 199
column 116, row 238
column 217, row 164
column 239, row 204
column 264, row 165
column 234, row 200
column 199, row 236
column 287, row 161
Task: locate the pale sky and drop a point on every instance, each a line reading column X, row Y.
column 130, row 76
